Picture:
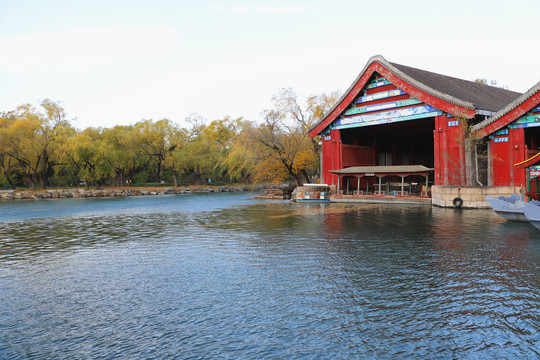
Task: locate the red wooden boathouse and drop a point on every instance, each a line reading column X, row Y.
column 396, row 115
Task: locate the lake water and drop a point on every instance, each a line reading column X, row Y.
column 223, row 276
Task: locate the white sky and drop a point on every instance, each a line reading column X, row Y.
column 110, row 62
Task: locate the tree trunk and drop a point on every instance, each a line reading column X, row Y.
column 158, row 170
column 8, row 178
column 174, row 177
column 32, row 182
column 306, row 176
column 42, row 181
column 291, row 172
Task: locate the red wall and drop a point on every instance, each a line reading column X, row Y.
column 449, row 152
column 503, row 156
column 354, row 155
column 331, row 156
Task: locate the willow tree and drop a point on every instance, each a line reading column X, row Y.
column 156, row 141
column 89, row 155
column 28, row 140
column 8, row 165
column 281, row 145
column 122, row 145
column 219, row 137
column 304, row 116
column 241, row 160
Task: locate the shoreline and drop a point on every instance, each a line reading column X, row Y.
column 119, row 192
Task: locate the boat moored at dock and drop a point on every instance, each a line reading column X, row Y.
column 313, row 193
column 531, row 210
column 510, row 208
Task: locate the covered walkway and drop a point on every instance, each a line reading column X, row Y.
column 394, row 185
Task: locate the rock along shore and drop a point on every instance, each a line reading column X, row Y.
column 114, row 192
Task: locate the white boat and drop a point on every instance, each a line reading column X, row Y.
column 510, row 208
column 531, row 210
column 314, row 193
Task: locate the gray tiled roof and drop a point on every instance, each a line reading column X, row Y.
column 391, row 169
column 509, row 107
column 483, row 97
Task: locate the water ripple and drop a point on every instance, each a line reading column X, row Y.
column 248, row 280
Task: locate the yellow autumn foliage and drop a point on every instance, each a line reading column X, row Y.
column 39, row 146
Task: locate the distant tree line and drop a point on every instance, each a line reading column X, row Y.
column 39, row 147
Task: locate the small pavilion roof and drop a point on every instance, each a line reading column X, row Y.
column 387, row 170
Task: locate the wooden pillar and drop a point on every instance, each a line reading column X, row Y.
column 490, row 163
column 436, row 152
column 441, row 150
column 367, row 185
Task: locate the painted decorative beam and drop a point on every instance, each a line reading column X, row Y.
column 378, row 107
column 498, row 133
column 387, row 117
column 525, row 121
column 378, row 83
column 381, row 95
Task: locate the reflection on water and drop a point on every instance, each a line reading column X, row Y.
column 224, row 276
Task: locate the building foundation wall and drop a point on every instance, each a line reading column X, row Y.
column 472, row 196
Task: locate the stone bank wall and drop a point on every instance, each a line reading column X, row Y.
column 473, row 196
column 83, row 193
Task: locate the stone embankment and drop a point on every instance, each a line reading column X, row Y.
column 84, row 193
column 275, row 194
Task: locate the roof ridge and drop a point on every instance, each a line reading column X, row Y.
column 426, row 88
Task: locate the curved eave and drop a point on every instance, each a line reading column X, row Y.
column 415, row 89
column 529, row 162
column 509, row 113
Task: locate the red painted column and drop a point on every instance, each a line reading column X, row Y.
column 500, row 154
column 459, row 144
column 491, row 163
column 437, row 152
column 516, row 155
column 456, row 152
column 463, row 167
column 511, row 156
column 331, row 156
column 441, row 144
